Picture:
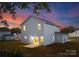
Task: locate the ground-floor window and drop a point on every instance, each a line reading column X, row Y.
column 25, row 37
column 42, row 39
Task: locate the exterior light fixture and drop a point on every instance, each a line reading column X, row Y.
column 32, row 37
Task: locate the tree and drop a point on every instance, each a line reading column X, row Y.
column 5, row 23
column 69, row 29
column 16, row 30
column 10, row 7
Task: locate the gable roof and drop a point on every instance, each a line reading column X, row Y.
column 26, row 20
column 47, row 22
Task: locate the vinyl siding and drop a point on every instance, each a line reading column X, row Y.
column 49, row 33
column 74, row 34
column 61, row 37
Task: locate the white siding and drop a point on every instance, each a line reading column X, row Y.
column 3, row 33
column 10, row 38
column 61, row 37
column 74, row 34
column 49, row 33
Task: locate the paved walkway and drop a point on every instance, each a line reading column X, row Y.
column 32, row 45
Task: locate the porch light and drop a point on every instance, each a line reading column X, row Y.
column 32, row 37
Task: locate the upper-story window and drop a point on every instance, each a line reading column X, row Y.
column 24, row 27
column 39, row 26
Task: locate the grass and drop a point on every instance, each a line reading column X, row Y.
column 15, row 48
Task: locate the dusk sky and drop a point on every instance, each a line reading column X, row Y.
column 62, row 14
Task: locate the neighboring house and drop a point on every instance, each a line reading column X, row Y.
column 4, row 32
column 6, row 35
column 74, row 34
column 2, row 24
column 9, row 37
column 38, row 31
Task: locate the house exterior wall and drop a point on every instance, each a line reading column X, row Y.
column 49, row 33
column 31, row 30
column 74, row 34
column 61, row 37
column 10, row 37
column 65, row 38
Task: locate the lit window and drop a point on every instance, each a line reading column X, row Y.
column 25, row 37
column 42, row 39
column 39, row 26
column 53, row 37
column 24, row 27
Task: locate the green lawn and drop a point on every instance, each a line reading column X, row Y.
column 15, row 48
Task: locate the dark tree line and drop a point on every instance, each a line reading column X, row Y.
column 15, row 30
column 68, row 29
